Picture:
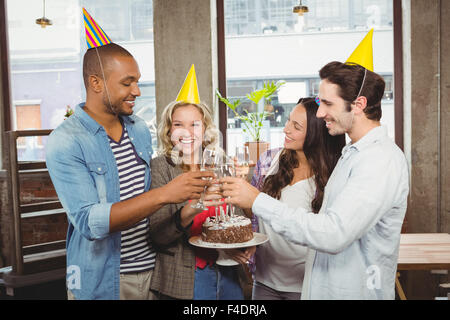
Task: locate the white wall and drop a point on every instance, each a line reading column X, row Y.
column 301, row 54
column 279, row 56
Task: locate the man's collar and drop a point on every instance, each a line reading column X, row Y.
column 92, row 125
column 367, row 140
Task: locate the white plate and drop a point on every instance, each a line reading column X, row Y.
column 224, row 260
column 258, row 238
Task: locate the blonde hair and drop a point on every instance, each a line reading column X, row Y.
column 165, row 143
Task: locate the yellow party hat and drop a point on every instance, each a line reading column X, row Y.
column 189, row 90
column 363, row 54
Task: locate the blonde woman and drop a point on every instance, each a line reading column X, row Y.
column 183, row 271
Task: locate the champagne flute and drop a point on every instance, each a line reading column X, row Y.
column 229, row 170
column 242, row 161
column 211, row 157
column 216, row 188
column 216, row 159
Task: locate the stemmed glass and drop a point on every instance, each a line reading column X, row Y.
column 212, row 158
column 229, row 170
column 242, row 161
column 216, row 188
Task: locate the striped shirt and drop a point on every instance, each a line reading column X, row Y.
column 136, row 253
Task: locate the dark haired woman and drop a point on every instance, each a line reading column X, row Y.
column 296, row 175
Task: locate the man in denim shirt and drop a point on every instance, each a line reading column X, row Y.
column 354, row 239
column 84, row 172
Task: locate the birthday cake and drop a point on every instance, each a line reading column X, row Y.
column 232, row 229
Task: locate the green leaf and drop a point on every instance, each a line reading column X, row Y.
column 271, row 87
column 232, row 105
column 252, row 121
column 257, row 95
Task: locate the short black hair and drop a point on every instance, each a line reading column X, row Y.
column 91, row 63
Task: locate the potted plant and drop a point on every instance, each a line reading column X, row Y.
column 253, row 121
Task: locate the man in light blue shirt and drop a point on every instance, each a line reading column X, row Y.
column 85, row 173
column 354, row 239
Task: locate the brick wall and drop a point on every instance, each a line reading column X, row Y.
column 34, row 188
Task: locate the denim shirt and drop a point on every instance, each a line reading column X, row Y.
column 356, row 234
column 84, row 172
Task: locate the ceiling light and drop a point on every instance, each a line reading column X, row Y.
column 43, row 22
column 300, row 9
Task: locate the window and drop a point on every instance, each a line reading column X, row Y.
column 314, row 87
column 266, row 41
column 27, row 115
column 251, row 17
column 124, row 20
column 142, row 20
column 146, row 108
column 389, row 89
column 46, row 63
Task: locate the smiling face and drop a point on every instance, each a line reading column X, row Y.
column 187, row 130
column 333, row 109
column 295, row 129
column 122, row 85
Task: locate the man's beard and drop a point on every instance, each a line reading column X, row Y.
column 342, row 125
column 114, row 108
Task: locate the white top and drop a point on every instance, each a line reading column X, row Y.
column 280, row 264
column 356, row 234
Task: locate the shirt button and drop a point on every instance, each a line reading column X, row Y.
column 140, row 153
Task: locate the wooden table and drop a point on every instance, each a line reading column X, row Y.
column 423, row 251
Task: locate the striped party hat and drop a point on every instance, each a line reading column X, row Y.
column 95, row 36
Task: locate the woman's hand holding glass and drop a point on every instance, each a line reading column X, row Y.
column 212, row 158
column 239, row 192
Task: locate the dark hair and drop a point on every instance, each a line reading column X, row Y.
column 321, row 150
column 349, row 78
column 91, row 62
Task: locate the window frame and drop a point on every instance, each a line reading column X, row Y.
column 5, row 91
column 397, row 72
column 6, row 106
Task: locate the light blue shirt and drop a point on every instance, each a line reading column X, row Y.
column 356, row 234
column 84, row 172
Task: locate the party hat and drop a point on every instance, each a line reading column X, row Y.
column 363, row 54
column 95, row 36
column 189, row 90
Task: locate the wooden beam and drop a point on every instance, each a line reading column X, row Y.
column 222, row 84
column 398, row 73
